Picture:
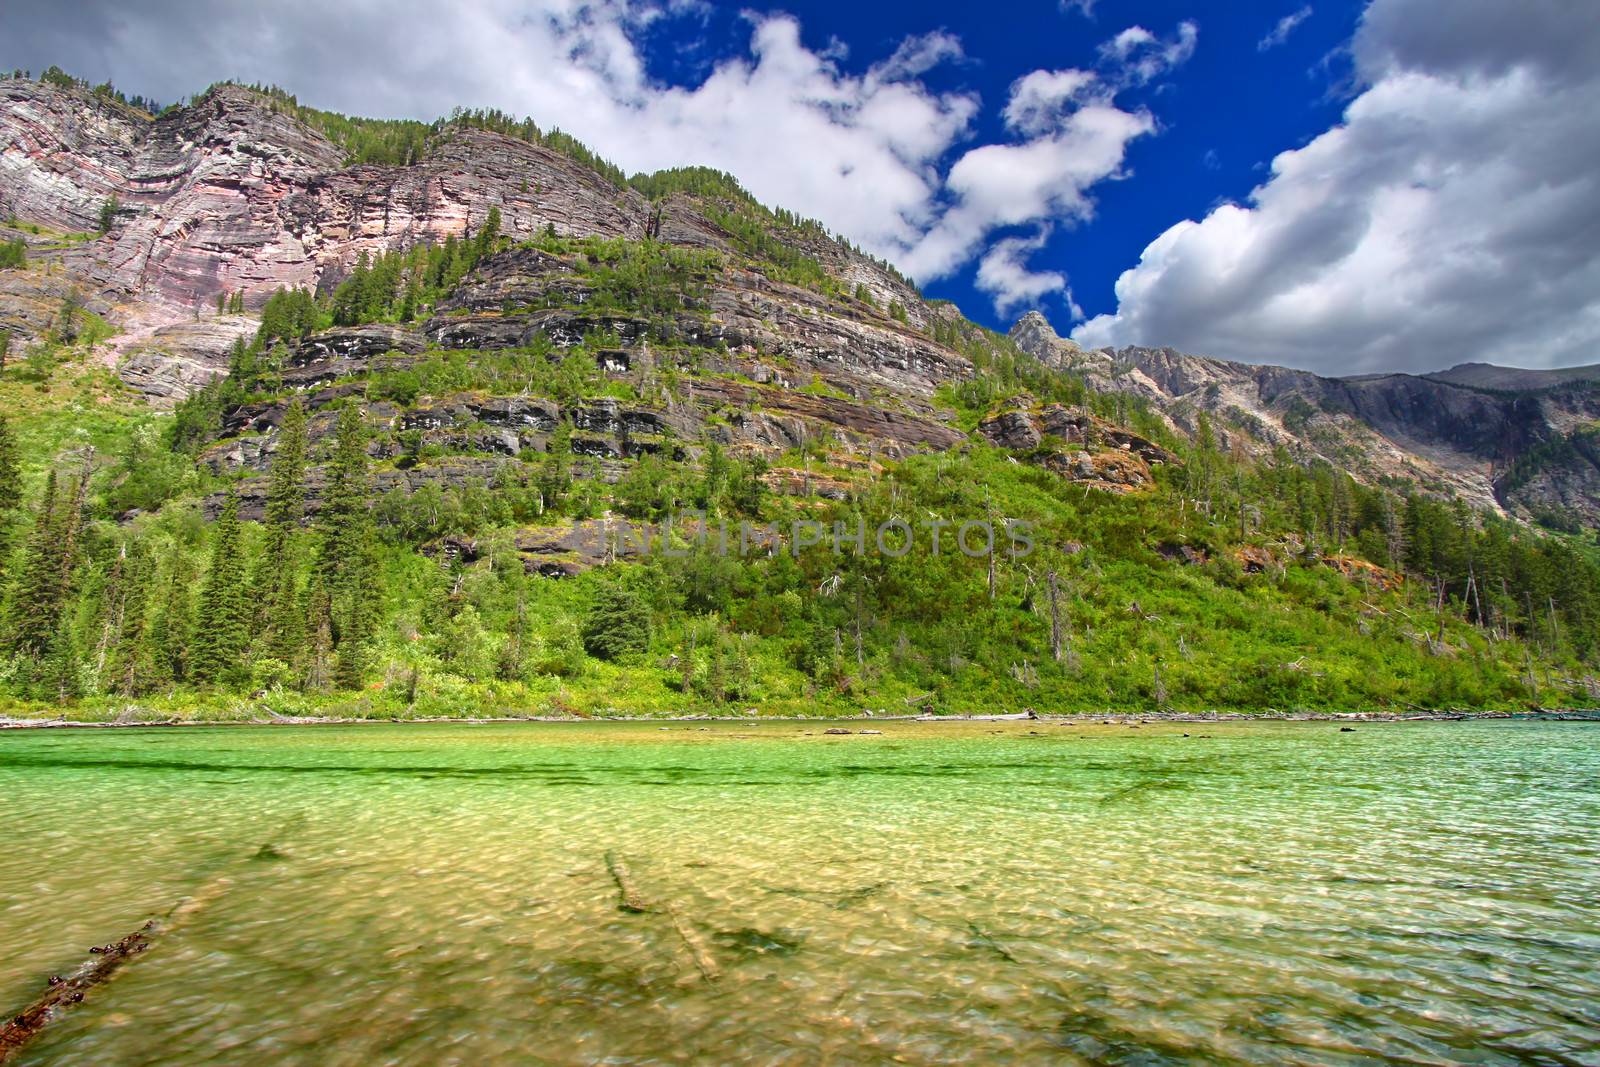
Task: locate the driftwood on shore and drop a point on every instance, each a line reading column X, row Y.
column 1021, row 716
column 1414, row 713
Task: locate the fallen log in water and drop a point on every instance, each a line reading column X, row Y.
column 698, row 949
column 64, row 992
column 633, row 899
column 103, row 963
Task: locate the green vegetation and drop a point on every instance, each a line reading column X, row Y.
column 108, row 214
column 404, row 142
column 105, row 91
column 360, row 611
column 388, row 558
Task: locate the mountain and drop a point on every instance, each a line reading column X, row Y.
column 403, row 418
column 1505, row 439
column 1514, row 379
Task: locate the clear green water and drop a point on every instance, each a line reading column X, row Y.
column 972, row 893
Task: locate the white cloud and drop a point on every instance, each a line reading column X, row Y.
column 1075, row 136
column 1040, row 99
column 1452, row 215
column 1138, row 57
column 1280, row 33
column 1003, row 274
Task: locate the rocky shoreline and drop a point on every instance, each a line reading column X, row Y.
column 1095, row 719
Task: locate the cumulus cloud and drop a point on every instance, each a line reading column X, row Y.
column 1073, row 135
column 1452, row 215
column 1003, row 273
column 1280, row 33
column 1040, row 99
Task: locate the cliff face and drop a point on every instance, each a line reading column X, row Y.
column 229, row 195
column 1477, row 431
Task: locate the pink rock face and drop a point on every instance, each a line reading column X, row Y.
column 62, row 154
column 229, row 195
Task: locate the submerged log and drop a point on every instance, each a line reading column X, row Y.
column 698, row 949
column 64, row 992
column 983, row 939
column 632, row 899
column 103, row 963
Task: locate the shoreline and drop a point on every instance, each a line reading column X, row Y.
column 1081, row 719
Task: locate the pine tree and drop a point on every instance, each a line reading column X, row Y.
column 512, row 653
column 618, row 623
column 10, row 468
column 222, row 627
column 40, row 590
column 343, row 600
column 108, row 214
column 110, row 605
column 131, row 669
column 168, row 638
column 59, row 680
column 489, row 234
column 280, row 624
column 10, row 486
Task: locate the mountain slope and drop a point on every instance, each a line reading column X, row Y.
column 401, row 419
column 1493, row 436
column 1514, row 379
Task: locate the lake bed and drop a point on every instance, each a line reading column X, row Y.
column 935, row 893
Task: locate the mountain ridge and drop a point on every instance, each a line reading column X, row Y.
column 1448, row 432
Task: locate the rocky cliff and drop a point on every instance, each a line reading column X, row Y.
column 229, row 195
column 1498, row 437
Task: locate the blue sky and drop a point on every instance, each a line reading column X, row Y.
column 1223, row 114
column 1349, row 186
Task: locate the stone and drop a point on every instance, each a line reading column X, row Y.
column 174, row 361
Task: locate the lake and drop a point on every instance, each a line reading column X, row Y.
column 983, row 893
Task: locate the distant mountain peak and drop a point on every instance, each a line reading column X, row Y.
column 1034, row 335
column 1514, row 379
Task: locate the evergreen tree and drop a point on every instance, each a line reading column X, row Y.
column 10, row 486
column 489, row 234
column 618, row 623
column 168, row 637
column 40, row 591
column 130, row 666
column 346, row 572
column 280, row 624
column 717, row 469
column 59, row 678
column 10, row 468
column 222, row 627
